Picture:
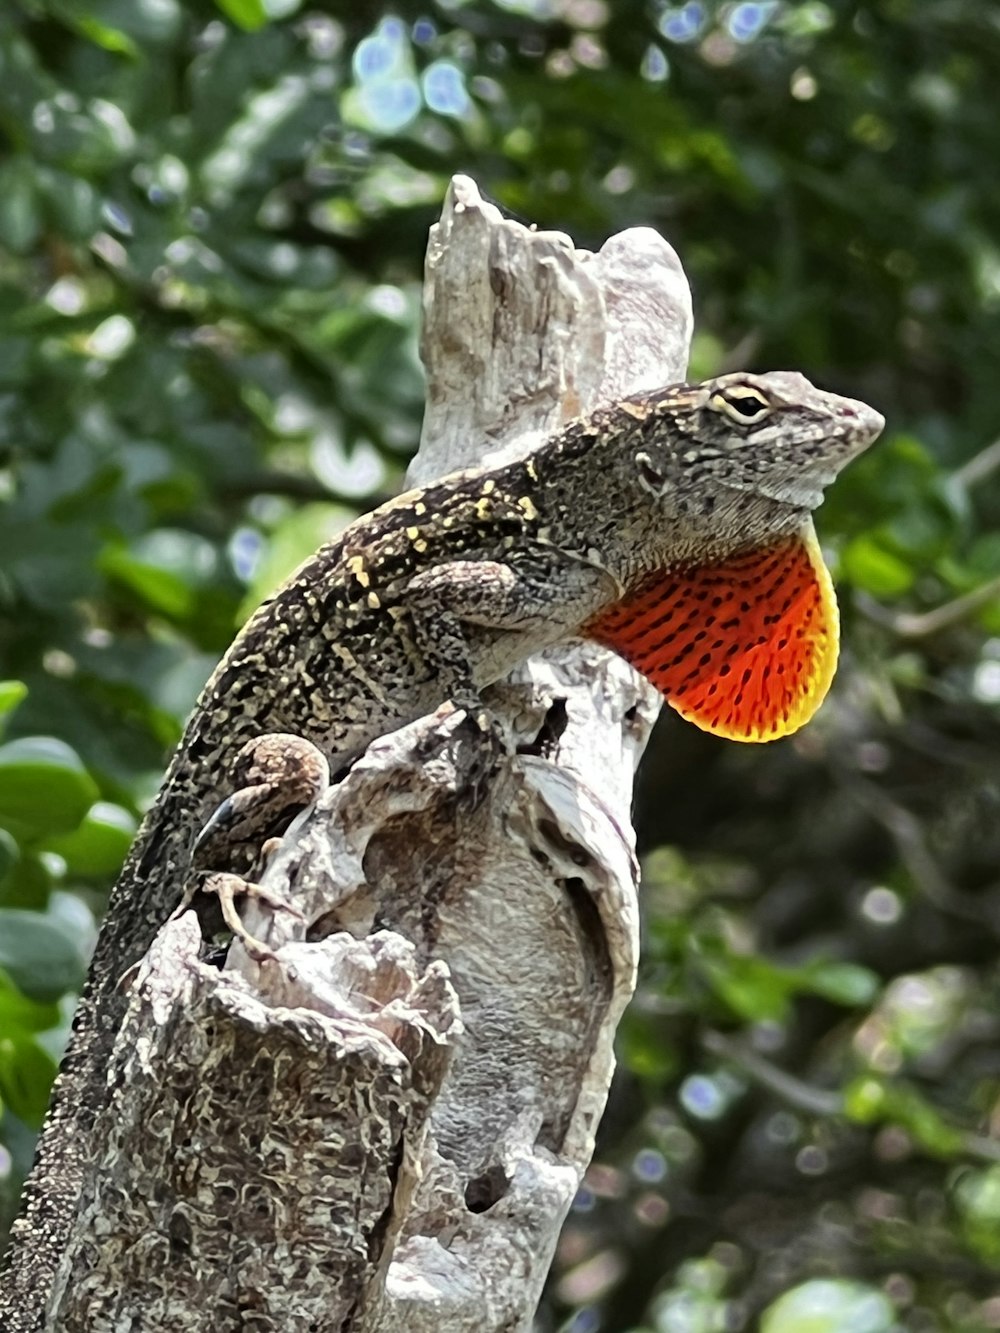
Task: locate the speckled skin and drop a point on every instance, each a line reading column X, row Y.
column 431, row 597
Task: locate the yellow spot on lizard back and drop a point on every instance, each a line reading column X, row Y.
column 356, row 565
column 527, row 508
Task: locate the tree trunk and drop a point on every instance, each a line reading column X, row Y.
column 384, row 1127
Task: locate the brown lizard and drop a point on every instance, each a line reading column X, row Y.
column 674, row 527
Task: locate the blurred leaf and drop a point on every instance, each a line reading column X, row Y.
column 26, row 1076
column 20, row 215
column 41, row 955
column 122, row 26
column 112, row 39
column 97, row 847
column 751, row 987
column 44, row 788
column 28, row 880
column 693, row 1301
column 843, row 983
column 160, row 589
column 9, row 854
column 165, row 569
column 19, row 1014
column 865, row 1100
column 872, row 1100
column 71, row 202
column 977, row 1195
column 759, row 991
column 869, row 565
column 292, row 541
column 643, row 1049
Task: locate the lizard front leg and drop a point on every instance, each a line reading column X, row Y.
column 537, row 598
column 495, row 612
column 443, row 602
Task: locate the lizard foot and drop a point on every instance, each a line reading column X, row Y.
column 227, row 888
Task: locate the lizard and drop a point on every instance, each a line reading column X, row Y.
column 674, row 527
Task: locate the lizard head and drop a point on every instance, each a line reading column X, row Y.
column 737, row 623
column 774, row 436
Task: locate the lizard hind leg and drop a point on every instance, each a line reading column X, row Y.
column 276, row 775
column 745, row 648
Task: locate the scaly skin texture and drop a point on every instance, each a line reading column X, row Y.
column 432, row 597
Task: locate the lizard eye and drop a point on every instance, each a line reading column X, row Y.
column 742, row 403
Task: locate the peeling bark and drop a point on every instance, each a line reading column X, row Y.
column 383, row 1127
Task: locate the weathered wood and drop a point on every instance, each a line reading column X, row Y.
column 260, row 1138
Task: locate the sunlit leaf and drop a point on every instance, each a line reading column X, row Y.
column 751, row 987
column 112, row 39
column 843, row 983
column 868, row 564
column 248, row 14
column 11, row 694
column 877, row 1100
column 825, row 1306
column 977, row 1196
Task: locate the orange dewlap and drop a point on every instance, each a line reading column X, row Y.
column 745, row 648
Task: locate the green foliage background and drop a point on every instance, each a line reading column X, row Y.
column 212, row 221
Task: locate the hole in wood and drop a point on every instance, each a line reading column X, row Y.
column 486, row 1189
column 549, row 733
